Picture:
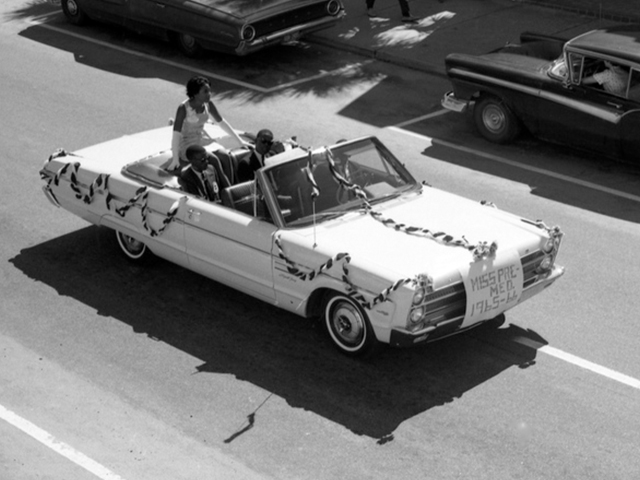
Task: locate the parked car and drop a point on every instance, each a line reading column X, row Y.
column 344, row 233
column 544, row 85
column 239, row 27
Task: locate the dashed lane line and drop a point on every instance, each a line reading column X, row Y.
column 580, row 362
column 57, row 446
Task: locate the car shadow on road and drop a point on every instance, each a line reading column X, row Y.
column 578, row 179
column 298, row 68
column 232, row 333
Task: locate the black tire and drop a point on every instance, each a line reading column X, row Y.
column 348, row 326
column 134, row 250
column 188, row 45
column 73, row 12
column 495, row 121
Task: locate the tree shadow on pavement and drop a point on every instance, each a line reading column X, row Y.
column 295, row 68
column 232, row 333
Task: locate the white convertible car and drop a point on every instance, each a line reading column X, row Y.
column 341, row 232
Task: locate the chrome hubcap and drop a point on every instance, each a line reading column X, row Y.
column 132, row 245
column 72, row 7
column 348, row 324
column 494, row 118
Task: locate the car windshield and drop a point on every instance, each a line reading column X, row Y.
column 331, row 182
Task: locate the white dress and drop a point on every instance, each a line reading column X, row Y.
column 193, row 132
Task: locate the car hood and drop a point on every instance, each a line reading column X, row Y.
column 389, row 251
column 513, row 61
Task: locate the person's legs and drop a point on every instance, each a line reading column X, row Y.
column 370, row 4
column 404, row 8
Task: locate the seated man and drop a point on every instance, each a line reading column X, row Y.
column 202, row 177
column 262, row 149
column 613, row 79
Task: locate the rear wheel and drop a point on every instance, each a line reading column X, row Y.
column 349, row 327
column 188, row 45
column 495, row 121
column 73, row 12
column 134, row 250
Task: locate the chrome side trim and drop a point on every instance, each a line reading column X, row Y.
column 593, row 110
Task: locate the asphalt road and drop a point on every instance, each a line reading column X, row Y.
column 114, row 371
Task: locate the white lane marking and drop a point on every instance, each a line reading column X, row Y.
column 338, row 71
column 57, row 446
column 580, row 362
column 419, row 119
column 522, row 166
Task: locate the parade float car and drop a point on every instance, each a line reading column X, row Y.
column 343, row 233
column 238, row 27
column 539, row 84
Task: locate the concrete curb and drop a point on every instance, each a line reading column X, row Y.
column 586, row 11
column 417, row 64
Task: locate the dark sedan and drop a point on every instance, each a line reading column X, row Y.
column 583, row 92
column 238, row 27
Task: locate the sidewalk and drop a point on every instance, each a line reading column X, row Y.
column 463, row 26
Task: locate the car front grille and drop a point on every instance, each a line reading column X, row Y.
column 449, row 304
column 445, row 304
column 530, row 264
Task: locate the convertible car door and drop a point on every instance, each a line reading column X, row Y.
column 230, row 247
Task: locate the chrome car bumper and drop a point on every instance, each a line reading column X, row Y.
column 287, row 35
column 405, row 338
column 450, row 102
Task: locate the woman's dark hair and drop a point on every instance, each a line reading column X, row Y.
column 195, row 84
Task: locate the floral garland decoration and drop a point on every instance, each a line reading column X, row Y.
column 554, row 232
column 479, row 251
column 102, row 180
column 60, row 152
column 352, row 290
column 293, row 269
column 169, row 217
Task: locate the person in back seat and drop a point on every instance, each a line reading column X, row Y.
column 262, row 149
column 200, row 177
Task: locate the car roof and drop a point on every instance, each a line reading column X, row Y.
column 622, row 42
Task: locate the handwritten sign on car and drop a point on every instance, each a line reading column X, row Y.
column 493, row 285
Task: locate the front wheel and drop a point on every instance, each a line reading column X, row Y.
column 133, row 249
column 188, row 45
column 495, row 121
column 73, row 12
column 349, row 327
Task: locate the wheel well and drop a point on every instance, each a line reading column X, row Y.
column 316, row 301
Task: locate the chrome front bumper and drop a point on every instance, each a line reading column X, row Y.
column 450, row 102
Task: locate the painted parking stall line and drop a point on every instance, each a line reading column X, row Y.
column 522, row 166
column 57, row 446
column 41, row 22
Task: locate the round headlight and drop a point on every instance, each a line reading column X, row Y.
column 333, row 7
column 549, row 245
column 248, row 33
column 418, row 296
column 545, row 264
column 416, row 314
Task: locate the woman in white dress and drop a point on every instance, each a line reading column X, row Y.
column 191, row 116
